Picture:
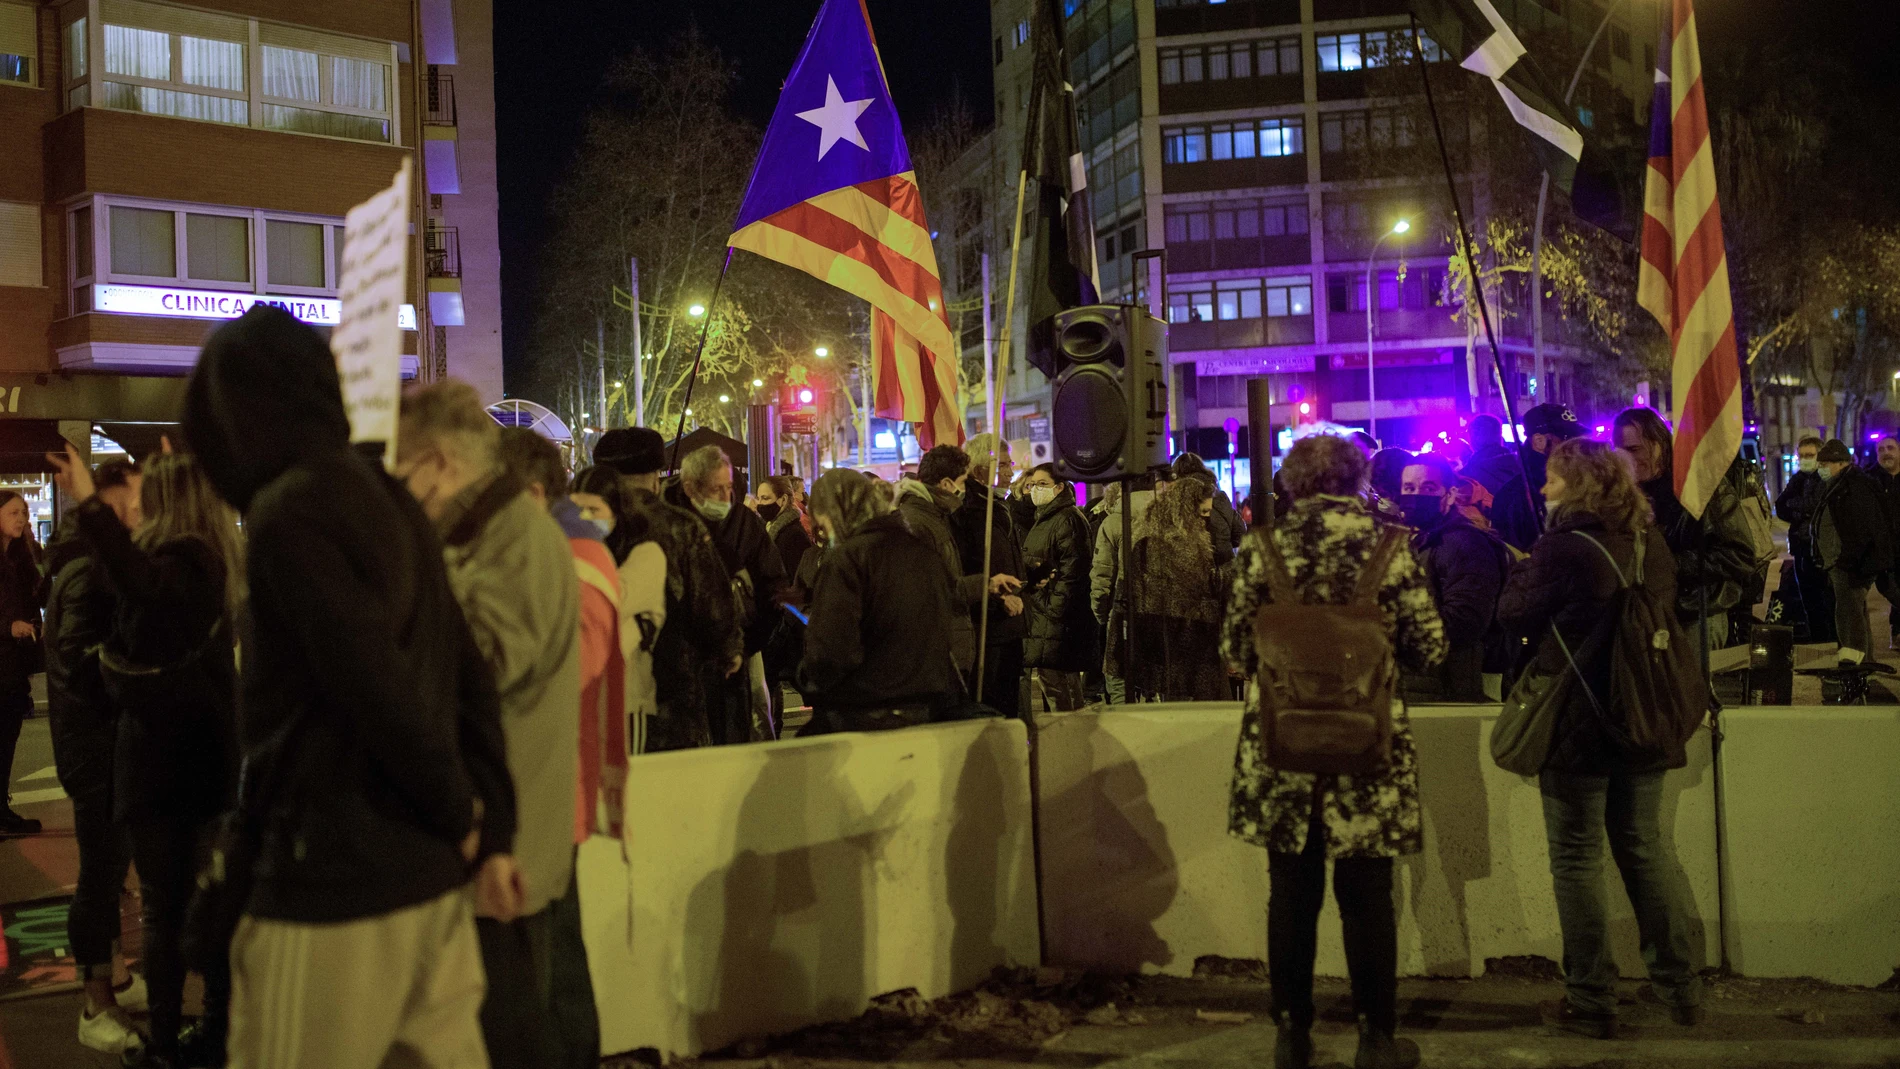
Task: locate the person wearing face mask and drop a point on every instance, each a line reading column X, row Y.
column 1884, row 470
column 784, row 521
column 881, row 607
column 979, row 526
column 1465, row 568
column 1853, row 542
column 1797, row 505
column 758, row 581
column 928, row 501
column 1061, row 643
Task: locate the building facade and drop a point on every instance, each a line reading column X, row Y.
column 1270, row 147
column 167, row 166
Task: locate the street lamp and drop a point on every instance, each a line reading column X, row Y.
column 696, row 310
column 821, row 352
column 1372, row 303
column 756, row 383
column 725, row 398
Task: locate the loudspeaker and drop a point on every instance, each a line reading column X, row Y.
column 1109, row 408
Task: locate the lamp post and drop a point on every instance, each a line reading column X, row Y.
column 1372, row 303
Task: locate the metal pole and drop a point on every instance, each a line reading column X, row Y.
column 1260, row 445
column 639, row 350
column 600, row 365
column 1543, row 200
column 989, row 354
column 699, row 354
column 1372, row 396
column 864, row 414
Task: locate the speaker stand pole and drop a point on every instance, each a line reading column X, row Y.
column 1127, row 637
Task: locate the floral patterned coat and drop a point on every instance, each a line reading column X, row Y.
column 1326, row 541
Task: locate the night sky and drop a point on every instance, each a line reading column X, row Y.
column 550, row 55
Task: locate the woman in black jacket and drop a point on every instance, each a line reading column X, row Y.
column 170, row 668
column 1566, row 591
column 1058, row 552
column 20, row 647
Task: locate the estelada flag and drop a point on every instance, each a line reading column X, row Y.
column 834, row 195
column 1683, row 278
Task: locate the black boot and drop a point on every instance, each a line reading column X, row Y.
column 1378, row 1049
column 1294, row 1047
column 12, row 823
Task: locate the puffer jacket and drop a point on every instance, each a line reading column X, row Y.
column 928, row 512
column 79, row 611
column 1061, row 626
column 1568, row 583
column 1465, row 568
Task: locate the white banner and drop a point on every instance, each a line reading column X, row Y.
column 367, row 340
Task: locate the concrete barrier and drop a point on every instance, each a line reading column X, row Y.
column 768, row 888
column 1812, row 809
column 1139, row 873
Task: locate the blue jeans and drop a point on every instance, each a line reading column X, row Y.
column 1577, row 811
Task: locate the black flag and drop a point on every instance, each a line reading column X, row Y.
column 1062, row 247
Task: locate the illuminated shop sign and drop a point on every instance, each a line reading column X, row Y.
column 221, row 304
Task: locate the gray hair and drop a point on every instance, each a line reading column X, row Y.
column 448, row 416
column 699, row 465
column 985, row 450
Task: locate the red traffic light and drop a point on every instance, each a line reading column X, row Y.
column 805, row 396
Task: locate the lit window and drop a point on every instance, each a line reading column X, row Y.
column 1184, row 144
column 1191, row 68
column 162, row 71
column 1022, row 33
column 1282, row 137
column 213, row 248
column 1170, row 66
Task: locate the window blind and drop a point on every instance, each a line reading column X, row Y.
column 20, row 260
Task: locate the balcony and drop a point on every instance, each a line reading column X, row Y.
column 1241, row 333
column 442, row 263
column 1231, row 93
column 1210, row 18
column 1234, row 174
column 440, row 167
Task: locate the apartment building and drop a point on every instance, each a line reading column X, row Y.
column 164, row 167
column 1270, row 148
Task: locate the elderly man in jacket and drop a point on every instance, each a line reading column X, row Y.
column 1854, row 543
column 1465, row 569
column 877, row 651
column 513, row 573
column 1796, row 505
column 929, row 501
column 758, row 576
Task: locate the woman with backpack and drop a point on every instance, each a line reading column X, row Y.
column 170, row 668
column 1324, row 549
column 1061, row 643
column 1568, row 592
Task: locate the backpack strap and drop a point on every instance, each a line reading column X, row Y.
column 1279, row 583
column 1622, row 580
column 1372, row 576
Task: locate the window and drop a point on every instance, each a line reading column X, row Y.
column 185, row 65
column 1278, row 57
column 1022, row 32
column 20, row 257
column 214, row 248
column 1373, row 48
column 1184, row 144
column 1282, row 137
column 1191, row 302
column 296, row 253
column 1249, row 298
column 1233, row 141
column 999, row 51
column 19, row 45
column 1356, row 131
column 218, row 247
column 308, row 91
column 1237, row 59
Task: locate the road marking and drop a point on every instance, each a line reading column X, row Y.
column 48, row 794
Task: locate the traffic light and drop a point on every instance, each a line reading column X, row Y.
column 1109, row 410
column 798, row 408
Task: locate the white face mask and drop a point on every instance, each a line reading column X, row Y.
column 1810, row 465
column 713, row 510
column 1042, row 495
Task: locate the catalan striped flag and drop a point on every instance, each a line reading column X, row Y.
column 1684, row 270
column 834, row 195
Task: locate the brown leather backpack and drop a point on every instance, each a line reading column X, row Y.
column 1327, row 672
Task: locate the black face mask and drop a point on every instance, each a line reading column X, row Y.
column 768, row 513
column 1422, row 511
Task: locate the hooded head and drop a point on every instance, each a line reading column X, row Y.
column 845, row 501
column 264, row 396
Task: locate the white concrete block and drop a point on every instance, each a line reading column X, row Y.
column 1812, row 801
column 1140, row 873
column 777, row 886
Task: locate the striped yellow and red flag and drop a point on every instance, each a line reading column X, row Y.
column 1684, row 272
column 835, row 196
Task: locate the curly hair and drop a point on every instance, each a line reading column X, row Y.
column 1175, row 519
column 1601, row 480
column 1324, row 464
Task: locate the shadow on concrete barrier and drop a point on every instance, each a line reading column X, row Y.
column 1139, row 872
column 768, row 888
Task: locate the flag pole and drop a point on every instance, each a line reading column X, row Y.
column 1464, row 243
column 698, row 354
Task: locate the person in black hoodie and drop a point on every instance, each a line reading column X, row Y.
column 1558, row 598
column 877, row 653
column 1465, row 568
column 1002, row 647
column 20, row 646
column 758, row 577
column 169, row 668
column 79, row 611
column 1884, row 470
column 1854, row 543
column 1796, row 506
column 371, row 730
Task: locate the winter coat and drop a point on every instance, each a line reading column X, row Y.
column 751, row 560
column 513, row 572
column 355, row 644
column 880, row 624
column 701, row 635
column 20, row 595
column 1567, row 582
column 1061, row 626
column 1851, row 533
column 1105, row 565
column 929, row 512
column 1006, row 556
column 1889, row 486
column 176, row 753
column 788, row 533
column 1725, row 568
column 1465, row 569
column 1224, row 529
column 1175, row 640
column 1326, row 542
column 1796, row 505
column 79, row 611
column 1513, row 513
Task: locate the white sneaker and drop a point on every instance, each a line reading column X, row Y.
column 134, row 998
column 109, row 1031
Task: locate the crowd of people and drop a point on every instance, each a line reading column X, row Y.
column 448, row 661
